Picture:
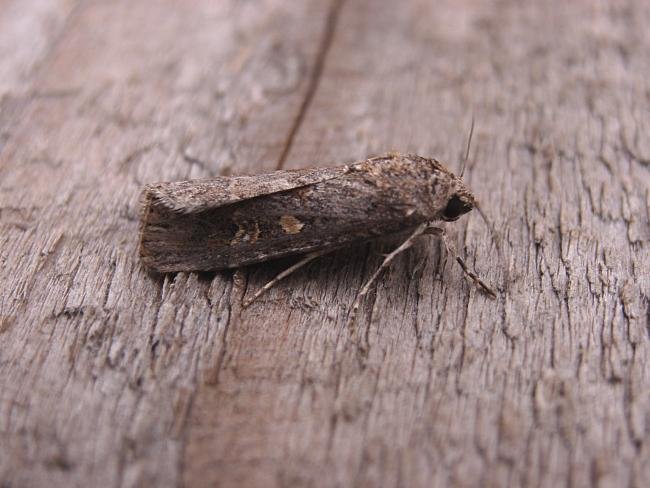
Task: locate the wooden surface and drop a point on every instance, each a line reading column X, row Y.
column 109, row 377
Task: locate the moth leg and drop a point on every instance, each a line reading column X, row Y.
column 309, row 257
column 431, row 229
column 387, row 260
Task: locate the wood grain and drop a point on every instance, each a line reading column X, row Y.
column 111, row 377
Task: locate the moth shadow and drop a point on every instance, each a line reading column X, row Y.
column 159, row 277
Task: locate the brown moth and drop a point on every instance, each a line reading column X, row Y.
column 228, row 222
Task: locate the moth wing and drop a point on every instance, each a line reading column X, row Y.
column 194, row 196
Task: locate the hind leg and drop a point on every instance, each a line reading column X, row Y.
column 308, row 258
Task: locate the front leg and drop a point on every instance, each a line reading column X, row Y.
column 439, row 231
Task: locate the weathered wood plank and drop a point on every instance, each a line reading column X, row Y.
column 99, row 362
column 544, row 388
column 29, row 30
column 111, row 377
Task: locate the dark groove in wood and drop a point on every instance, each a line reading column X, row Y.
column 321, row 56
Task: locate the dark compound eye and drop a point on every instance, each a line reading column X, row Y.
column 455, row 208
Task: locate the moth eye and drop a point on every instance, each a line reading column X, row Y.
column 455, row 208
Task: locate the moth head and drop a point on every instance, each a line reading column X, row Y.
column 460, row 202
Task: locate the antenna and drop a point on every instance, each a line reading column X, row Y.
column 497, row 242
column 469, row 143
column 490, row 226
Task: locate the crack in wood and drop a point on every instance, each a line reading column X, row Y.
column 316, row 74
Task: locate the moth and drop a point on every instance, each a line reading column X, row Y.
column 229, row 222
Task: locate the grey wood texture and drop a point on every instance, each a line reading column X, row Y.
column 111, row 377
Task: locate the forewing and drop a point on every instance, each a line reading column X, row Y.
column 322, row 210
column 194, row 196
